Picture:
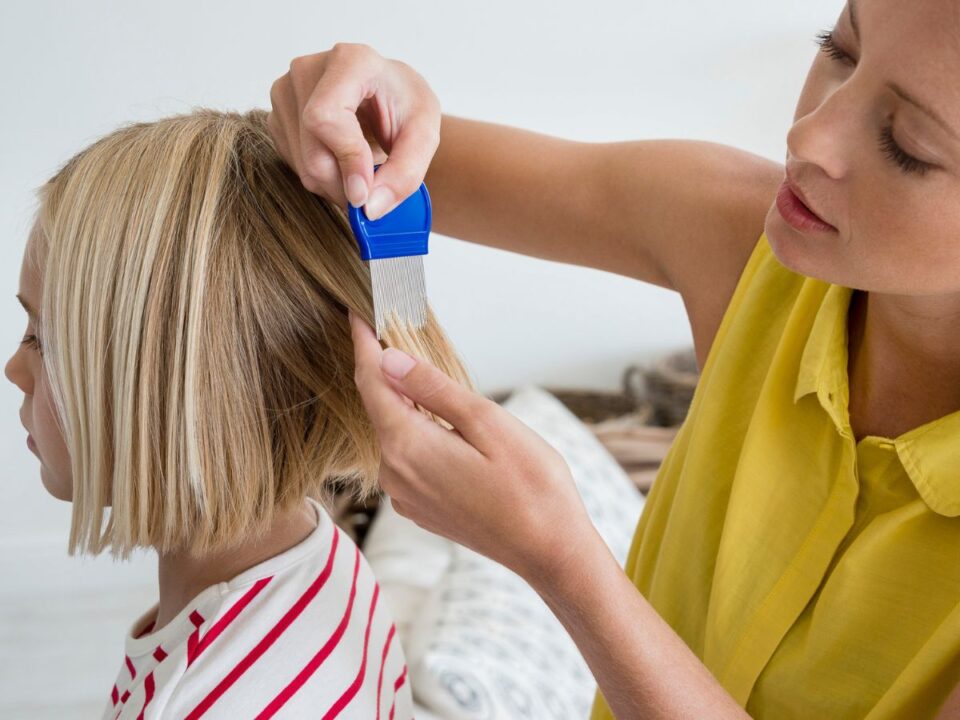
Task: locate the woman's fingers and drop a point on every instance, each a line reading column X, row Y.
column 321, row 108
column 406, row 166
column 329, row 119
column 384, row 404
column 384, row 395
column 474, row 416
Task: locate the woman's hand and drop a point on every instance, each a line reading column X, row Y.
column 496, row 486
column 336, row 112
column 491, row 484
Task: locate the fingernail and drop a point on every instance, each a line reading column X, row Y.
column 378, row 202
column 396, row 363
column 356, row 190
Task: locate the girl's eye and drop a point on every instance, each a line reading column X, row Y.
column 829, row 47
column 907, row 162
column 31, row 341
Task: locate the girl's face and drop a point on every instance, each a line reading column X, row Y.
column 875, row 150
column 25, row 370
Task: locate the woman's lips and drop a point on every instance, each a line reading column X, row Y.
column 797, row 214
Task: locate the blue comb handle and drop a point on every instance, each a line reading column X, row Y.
column 400, row 233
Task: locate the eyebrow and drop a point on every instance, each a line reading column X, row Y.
column 897, row 89
column 904, row 95
column 26, row 306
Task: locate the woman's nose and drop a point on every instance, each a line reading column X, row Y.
column 822, row 137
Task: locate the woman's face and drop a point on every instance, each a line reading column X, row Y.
column 25, row 370
column 882, row 169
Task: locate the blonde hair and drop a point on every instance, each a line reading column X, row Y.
column 196, row 340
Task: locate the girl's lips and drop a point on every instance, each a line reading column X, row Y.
column 30, row 444
column 799, row 215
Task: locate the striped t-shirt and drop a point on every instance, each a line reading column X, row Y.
column 303, row 634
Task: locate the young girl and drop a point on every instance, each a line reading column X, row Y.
column 799, row 554
column 188, row 382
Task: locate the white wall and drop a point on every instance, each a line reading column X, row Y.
column 604, row 70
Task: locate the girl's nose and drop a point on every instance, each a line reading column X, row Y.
column 18, row 373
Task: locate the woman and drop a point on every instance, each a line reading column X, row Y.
column 187, row 380
column 799, row 555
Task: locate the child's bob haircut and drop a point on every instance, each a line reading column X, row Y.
column 196, row 340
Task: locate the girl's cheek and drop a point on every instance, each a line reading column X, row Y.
column 51, row 446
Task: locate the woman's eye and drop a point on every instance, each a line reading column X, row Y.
column 891, row 148
column 906, row 162
column 829, row 47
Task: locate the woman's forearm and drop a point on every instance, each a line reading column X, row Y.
column 508, row 188
column 642, row 666
column 532, row 194
column 658, row 210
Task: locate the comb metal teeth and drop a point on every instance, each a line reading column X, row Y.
column 399, row 290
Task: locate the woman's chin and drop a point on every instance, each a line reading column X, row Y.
column 800, row 253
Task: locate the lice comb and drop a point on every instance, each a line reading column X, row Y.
column 393, row 247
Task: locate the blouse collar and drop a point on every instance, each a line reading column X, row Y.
column 930, row 453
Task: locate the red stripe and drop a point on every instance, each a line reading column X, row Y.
column 194, row 639
column 396, row 687
column 224, row 622
column 148, row 686
column 317, row 660
column 383, row 661
column 115, row 695
column 351, row 691
column 271, row 637
column 125, row 696
column 130, row 667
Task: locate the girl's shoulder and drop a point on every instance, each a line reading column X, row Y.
column 305, row 631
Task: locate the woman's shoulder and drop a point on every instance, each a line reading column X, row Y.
column 706, row 270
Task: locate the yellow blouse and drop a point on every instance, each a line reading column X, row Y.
column 815, row 576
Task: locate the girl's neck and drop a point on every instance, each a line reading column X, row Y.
column 183, row 576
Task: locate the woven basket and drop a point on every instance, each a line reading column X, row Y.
column 670, row 384
column 592, row 406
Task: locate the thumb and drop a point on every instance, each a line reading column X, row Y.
column 437, row 392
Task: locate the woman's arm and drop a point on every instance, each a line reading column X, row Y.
column 681, row 214
column 655, row 210
column 497, row 487
column 642, row 666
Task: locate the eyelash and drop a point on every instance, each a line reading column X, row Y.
column 32, row 341
column 887, row 143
